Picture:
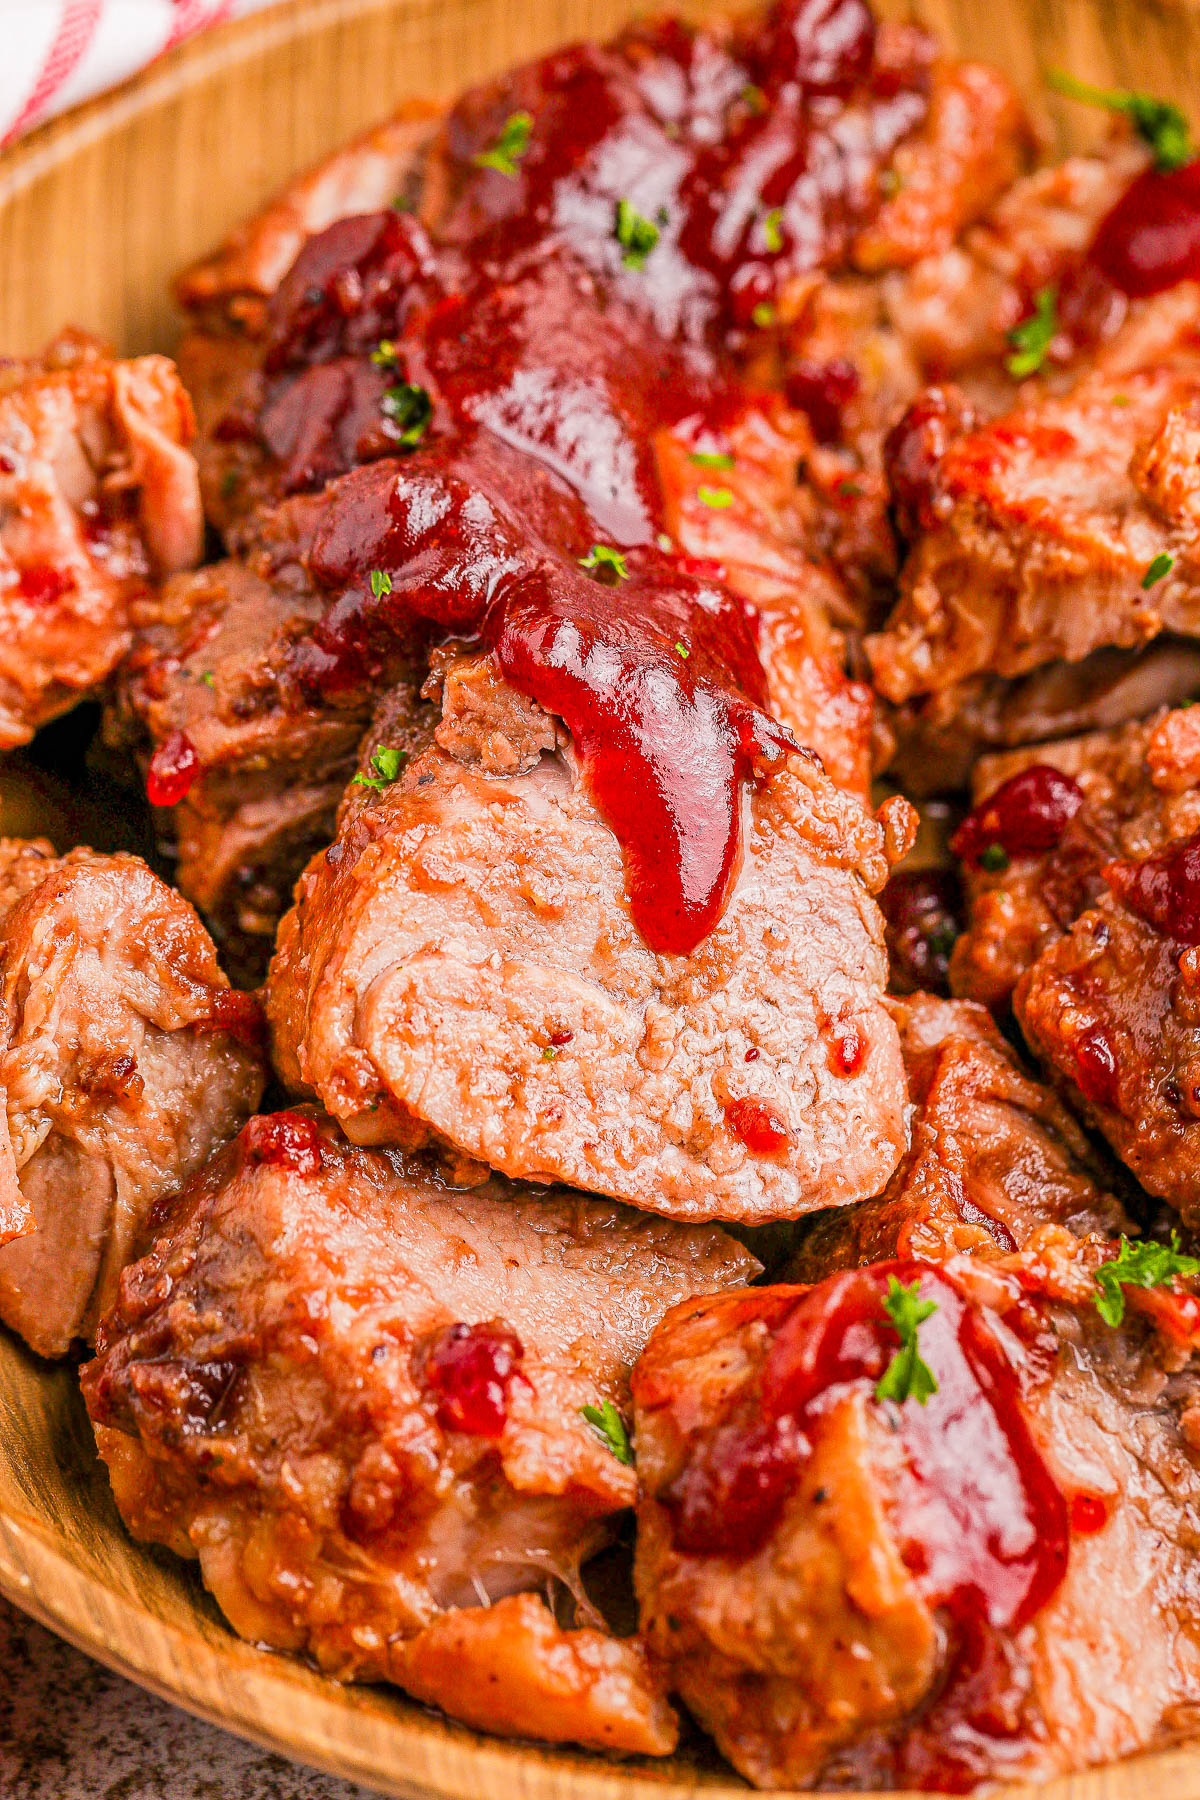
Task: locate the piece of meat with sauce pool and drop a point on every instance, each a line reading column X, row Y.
column 461, row 968
column 99, row 499
column 928, row 1520
column 126, row 1059
column 390, row 1419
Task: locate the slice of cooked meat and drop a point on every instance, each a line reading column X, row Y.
column 98, row 497
column 993, row 1157
column 356, row 1395
column 461, row 967
column 941, row 736
column 1062, row 528
column 248, row 775
column 125, row 1060
column 1046, row 821
column 864, row 1591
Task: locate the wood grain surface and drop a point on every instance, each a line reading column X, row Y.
column 97, row 211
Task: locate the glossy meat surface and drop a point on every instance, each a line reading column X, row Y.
column 98, row 498
column 125, row 1061
column 355, row 1393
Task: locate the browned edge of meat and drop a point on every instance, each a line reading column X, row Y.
column 356, row 1395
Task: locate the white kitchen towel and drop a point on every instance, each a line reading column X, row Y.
column 54, row 53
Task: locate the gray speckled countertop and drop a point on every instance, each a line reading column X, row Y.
column 71, row 1731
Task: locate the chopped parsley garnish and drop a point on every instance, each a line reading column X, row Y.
column 716, row 497
column 384, row 354
column 1033, row 336
column 763, row 315
column 712, row 459
column 664, row 542
column 637, row 236
column 1144, row 1264
column 993, row 858
column 609, row 1427
column 381, row 583
column 849, row 490
column 549, row 1053
column 683, row 651
column 602, row 559
column 402, row 203
column 408, row 407
column 208, row 678
column 1162, row 565
column 509, row 147
column 907, row 1376
column 754, row 98
column 1157, row 122
column 773, row 229
column 387, row 763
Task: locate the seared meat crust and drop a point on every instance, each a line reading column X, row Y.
column 125, row 1061
column 270, row 1396
column 98, row 497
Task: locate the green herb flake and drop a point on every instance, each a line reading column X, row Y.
column 907, row 1376
column 716, row 497
column 208, row 678
column 1162, row 565
column 1146, row 1264
column 408, row 407
column 849, row 490
column 763, row 315
column 229, row 483
column 381, row 583
column 772, row 226
column 665, row 543
column 604, row 562
column 609, row 1427
column 637, row 236
column 402, row 203
column 754, row 98
column 1120, row 400
column 1032, row 338
column 1157, row 122
column 683, row 651
column 549, row 1053
column 384, row 354
column 509, row 147
column 712, row 459
column 387, row 763
column 994, row 858
column 890, row 183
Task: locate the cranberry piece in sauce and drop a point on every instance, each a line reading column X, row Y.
column 1096, row 1068
column 758, row 1126
column 922, row 912
column 173, row 770
column 284, row 1140
column 42, row 585
column 1026, row 816
column 1163, row 890
column 912, row 451
column 823, row 391
column 237, row 1013
column 827, row 46
column 1150, row 240
column 471, row 1369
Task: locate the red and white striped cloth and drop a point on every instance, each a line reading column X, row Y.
column 54, row 53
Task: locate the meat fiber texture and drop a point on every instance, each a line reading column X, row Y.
column 98, row 498
column 262, row 1395
column 1106, row 999
column 824, row 1655
column 123, row 1065
column 461, row 968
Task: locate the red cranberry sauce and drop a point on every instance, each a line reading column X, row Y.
column 578, row 301
column 471, row 1369
column 174, row 768
column 1163, row 890
column 757, row 1126
column 238, row 1014
column 1026, row 816
column 922, row 914
column 979, row 1518
column 284, row 1140
column 1150, row 240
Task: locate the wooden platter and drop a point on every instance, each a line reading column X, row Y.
column 96, row 212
